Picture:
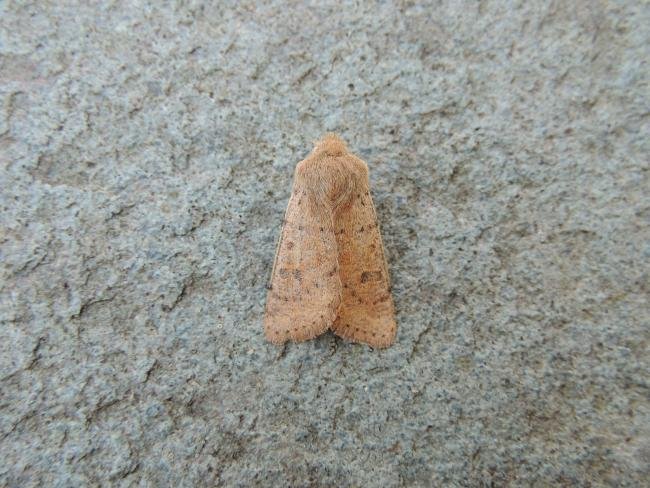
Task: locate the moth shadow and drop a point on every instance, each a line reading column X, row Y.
column 328, row 341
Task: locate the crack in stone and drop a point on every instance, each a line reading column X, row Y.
column 418, row 340
column 86, row 305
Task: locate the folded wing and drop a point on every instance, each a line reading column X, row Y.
column 367, row 313
column 305, row 288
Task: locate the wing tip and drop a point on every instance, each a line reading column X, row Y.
column 282, row 331
column 375, row 340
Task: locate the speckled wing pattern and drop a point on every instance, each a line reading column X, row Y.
column 305, row 289
column 330, row 270
column 367, row 312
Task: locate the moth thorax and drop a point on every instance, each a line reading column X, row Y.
column 340, row 188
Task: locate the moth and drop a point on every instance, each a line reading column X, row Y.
column 330, row 270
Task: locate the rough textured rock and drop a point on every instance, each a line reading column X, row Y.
column 146, row 158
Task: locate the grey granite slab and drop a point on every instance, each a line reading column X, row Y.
column 146, row 158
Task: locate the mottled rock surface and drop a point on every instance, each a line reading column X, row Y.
column 146, row 155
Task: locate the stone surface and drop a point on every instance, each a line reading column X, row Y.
column 146, row 155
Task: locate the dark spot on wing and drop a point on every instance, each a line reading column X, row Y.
column 381, row 299
column 367, row 276
column 290, row 245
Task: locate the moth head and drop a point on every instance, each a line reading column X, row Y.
column 331, row 145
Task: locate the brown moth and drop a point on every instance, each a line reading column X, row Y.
column 330, row 271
